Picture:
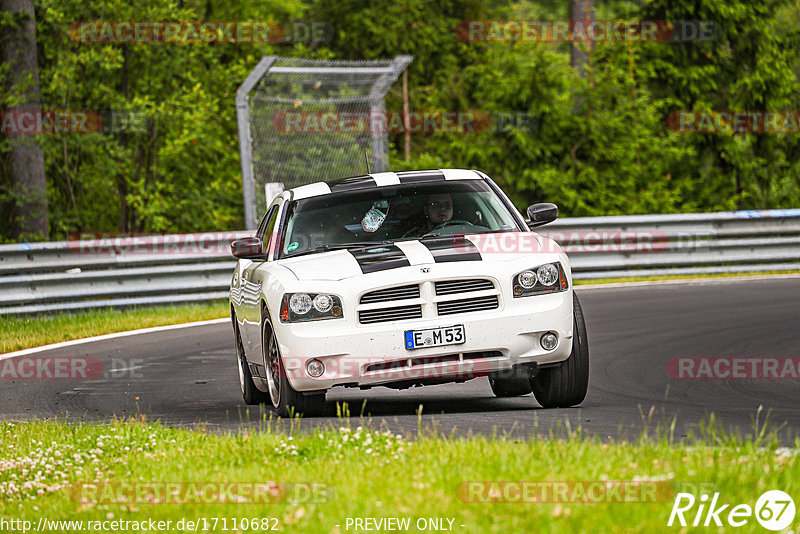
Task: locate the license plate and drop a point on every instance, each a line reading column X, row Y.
column 435, row 337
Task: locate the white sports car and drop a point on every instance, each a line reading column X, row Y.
column 404, row 279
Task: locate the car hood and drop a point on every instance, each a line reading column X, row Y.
column 342, row 264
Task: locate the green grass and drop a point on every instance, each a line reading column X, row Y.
column 32, row 331
column 330, row 475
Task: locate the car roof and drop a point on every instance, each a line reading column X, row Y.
column 382, row 179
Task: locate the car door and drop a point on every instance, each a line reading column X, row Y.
column 252, row 281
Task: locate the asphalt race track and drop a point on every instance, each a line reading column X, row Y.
column 188, row 376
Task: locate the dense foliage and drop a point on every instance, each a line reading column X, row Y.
column 595, row 144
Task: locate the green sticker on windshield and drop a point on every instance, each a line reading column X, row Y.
column 292, row 246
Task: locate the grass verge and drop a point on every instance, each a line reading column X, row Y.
column 119, row 471
column 18, row 333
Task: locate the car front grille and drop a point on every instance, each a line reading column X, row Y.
column 467, row 305
column 390, row 294
column 450, row 287
column 396, row 313
column 445, row 301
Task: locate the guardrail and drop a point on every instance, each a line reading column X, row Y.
column 73, row 275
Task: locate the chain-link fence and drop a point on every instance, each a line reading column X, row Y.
column 303, row 120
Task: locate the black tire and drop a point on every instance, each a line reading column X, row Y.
column 282, row 396
column 566, row 384
column 250, row 393
column 511, row 383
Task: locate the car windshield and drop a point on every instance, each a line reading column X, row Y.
column 393, row 213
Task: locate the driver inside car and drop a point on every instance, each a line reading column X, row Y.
column 437, row 209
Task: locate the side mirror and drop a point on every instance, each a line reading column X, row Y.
column 542, row 213
column 247, row 248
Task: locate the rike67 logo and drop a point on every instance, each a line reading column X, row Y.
column 774, row 510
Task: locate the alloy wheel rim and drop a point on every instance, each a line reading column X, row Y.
column 240, row 360
column 273, row 370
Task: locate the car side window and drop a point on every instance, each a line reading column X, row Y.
column 262, row 225
column 265, row 231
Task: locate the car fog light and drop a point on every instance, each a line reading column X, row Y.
column 300, row 303
column 315, row 368
column 549, row 341
column 527, row 279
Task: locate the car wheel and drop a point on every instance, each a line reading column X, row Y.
column 511, row 383
column 566, row 383
column 285, row 400
column 250, row 393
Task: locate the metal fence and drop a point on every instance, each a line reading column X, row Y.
column 57, row 276
column 305, row 120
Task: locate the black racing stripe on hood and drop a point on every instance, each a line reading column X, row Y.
column 411, row 177
column 453, row 249
column 380, row 258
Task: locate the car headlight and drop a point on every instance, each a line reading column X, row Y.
column 297, row 307
column 547, row 278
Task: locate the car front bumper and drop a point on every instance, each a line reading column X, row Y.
column 371, row 355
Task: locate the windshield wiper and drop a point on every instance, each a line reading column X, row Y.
column 354, row 244
column 339, row 246
column 460, row 235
